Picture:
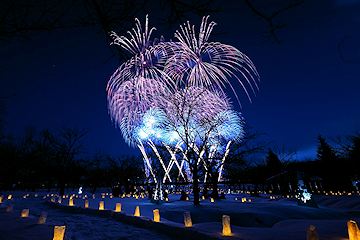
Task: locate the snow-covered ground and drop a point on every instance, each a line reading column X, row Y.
column 262, row 218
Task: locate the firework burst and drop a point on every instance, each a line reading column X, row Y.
column 208, row 64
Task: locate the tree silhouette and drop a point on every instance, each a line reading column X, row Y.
column 65, row 148
column 334, row 169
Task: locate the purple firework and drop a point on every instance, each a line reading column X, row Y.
column 137, row 84
column 208, row 64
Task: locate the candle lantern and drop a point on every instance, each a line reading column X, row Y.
column 25, row 213
column 187, row 219
column 156, row 215
column 42, row 218
column 137, row 211
column 226, row 225
column 118, row 207
column 59, row 232
column 101, row 205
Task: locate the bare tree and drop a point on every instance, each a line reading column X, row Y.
column 65, row 146
column 270, row 19
column 23, row 21
column 243, row 154
column 194, row 119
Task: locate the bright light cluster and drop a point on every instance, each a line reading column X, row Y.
column 170, row 93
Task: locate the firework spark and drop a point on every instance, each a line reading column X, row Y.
column 209, row 64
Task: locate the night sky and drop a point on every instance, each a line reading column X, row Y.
column 307, row 88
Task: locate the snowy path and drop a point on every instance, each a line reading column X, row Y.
column 261, row 219
column 78, row 226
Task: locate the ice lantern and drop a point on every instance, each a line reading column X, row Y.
column 42, row 218
column 86, row 203
column 25, row 213
column 59, row 232
column 353, row 230
column 118, row 207
column 156, row 215
column 137, row 212
column 71, row 202
column 226, row 225
column 312, row 234
column 187, row 219
column 101, row 205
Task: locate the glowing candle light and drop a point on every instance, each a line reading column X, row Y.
column 1, row 198
column 212, row 200
column 36, row 195
column 86, row 203
column 25, row 213
column 10, row 196
column 226, row 225
column 156, row 215
column 59, row 232
column 118, row 207
column 59, row 200
column 101, row 205
column 71, row 202
column 353, row 230
column 137, row 211
column 42, row 218
column 187, row 219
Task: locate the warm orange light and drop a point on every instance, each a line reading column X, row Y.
column 101, row 205
column 187, row 219
column 212, row 200
column 71, row 202
column 353, row 230
column 118, row 207
column 226, row 225
column 10, row 196
column 156, row 215
column 137, row 211
column 59, row 200
column 59, row 232
column 25, row 213
column 86, row 203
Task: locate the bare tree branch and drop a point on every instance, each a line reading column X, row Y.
column 340, row 52
column 270, row 18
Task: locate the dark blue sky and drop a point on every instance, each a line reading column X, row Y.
column 306, row 88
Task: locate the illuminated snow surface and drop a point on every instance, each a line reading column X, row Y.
column 262, row 218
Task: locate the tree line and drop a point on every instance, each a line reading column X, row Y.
column 45, row 159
